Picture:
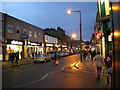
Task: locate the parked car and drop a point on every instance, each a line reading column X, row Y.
column 71, row 52
column 62, row 54
column 51, row 54
column 42, row 58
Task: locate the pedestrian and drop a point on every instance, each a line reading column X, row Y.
column 93, row 54
column 12, row 56
column 21, row 53
column 9, row 51
column 55, row 58
column 17, row 57
column 99, row 64
column 32, row 55
column 108, row 63
column 85, row 53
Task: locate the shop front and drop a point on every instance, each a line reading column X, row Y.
column 65, row 48
column 13, row 46
column 49, row 47
column 34, row 48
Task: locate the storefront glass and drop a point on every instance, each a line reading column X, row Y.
column 14, row 48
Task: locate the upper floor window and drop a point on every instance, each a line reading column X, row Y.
column 35, row 34
column 39, row 35
column 24, row 31
column 30, row 33
column 10, row 28
column 18, row 30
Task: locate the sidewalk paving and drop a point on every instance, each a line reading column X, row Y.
column 9, row 64
column 85, row 66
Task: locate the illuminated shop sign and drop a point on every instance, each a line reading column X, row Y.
column 34, row 44
column 49, row 44
column 64, row 46
column 17, row 42
column 104, row 8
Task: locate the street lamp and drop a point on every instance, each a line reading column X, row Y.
column 74, row 35
column 69, row 12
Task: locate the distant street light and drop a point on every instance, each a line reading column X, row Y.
column 74, row 35
column 69, row 12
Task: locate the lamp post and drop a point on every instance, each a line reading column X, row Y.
column 69, row 12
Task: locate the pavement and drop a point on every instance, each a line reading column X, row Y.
column 86, row 67
column 8, row 64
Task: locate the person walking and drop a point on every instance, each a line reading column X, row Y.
column 99, row 64
column 17, row 57
column 12, row 56
column 108, row 63
column 85, row 53
column 56, row 58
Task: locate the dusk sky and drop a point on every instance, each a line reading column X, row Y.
column 54, row 14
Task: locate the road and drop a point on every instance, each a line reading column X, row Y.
column 47, row 75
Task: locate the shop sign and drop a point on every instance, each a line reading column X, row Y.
column 24, row 36
column 34, row 44
column 17, row 42
column 49, row 44
column 64, row 46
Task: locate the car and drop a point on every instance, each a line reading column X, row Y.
column 71, row 52
column 51, row 54
column 42, row 58
column 62, row 54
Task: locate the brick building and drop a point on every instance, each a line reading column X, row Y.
column 21, row 36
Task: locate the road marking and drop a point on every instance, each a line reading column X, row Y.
column 44, row 76
column 54, row 71
column 27, row 83
column 63, row 68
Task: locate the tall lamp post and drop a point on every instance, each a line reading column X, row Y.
column 69, row 12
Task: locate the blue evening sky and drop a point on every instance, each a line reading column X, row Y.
column 54, row 14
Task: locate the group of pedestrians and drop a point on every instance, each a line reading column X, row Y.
column 89, row 53
column 13, row 56
column 101, row 62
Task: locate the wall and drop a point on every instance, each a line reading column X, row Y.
column 116, row 45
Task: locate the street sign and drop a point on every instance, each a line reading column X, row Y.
column 24, row 36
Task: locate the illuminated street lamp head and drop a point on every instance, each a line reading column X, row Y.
column 74, row 35
column 69, row 11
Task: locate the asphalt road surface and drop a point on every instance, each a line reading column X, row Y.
column 47, row 75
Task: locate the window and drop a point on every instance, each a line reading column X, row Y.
column 24, row 31
column 35, row 34
column 10, row 28
column 39, row 35
column 30, row 33
column 18, row 30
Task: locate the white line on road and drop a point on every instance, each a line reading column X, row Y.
column 63, row 68
column 27, row 83
column 54, row 71
column 44, row 76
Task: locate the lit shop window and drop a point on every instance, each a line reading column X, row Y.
column 35, row 34
column 30, row 33
column 10, row 28
column 18, row 30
